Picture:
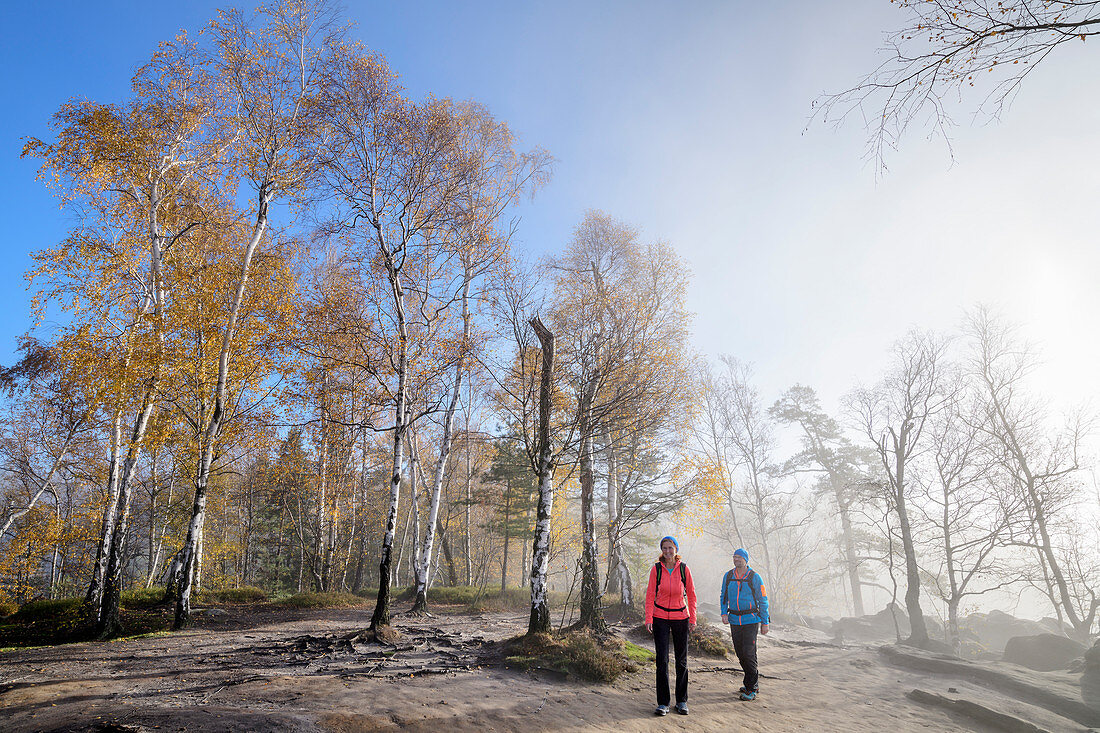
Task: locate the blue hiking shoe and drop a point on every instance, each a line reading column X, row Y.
column 661, row 710
column 682, row 708
column 747, row 694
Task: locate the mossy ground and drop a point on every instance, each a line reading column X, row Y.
column 578, row 653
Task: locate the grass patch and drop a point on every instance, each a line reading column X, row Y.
column 512, row 599
column 322, row 600
column 638, row 654
column 46, row 610
column 143, row 597
column 476, row 600
column 448, row 595
column 46, row 623
column 146, row 635
column 577, row 653
column 41, row 623
column 244, row 594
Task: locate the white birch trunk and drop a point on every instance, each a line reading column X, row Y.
column 444, row 452
column 210, row 435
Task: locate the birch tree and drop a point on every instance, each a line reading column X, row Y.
column 396, row 170
column 494, row 176
column 139, row 172
column 273, row 67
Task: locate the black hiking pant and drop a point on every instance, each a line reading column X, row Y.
column 678, row 630
column 744, row 644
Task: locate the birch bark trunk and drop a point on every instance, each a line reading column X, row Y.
column 213, row 426
column 539, row 622
column 444, row 452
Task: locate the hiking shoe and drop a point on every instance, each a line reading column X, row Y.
column 748, row 695
column 682, row 708
column 744, row 689
column 661, row 710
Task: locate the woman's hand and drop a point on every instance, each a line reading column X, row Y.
column 691, row 624
column 649, row 628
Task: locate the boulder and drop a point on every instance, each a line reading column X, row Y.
column 1054, row 626
column 1043, row 652
column 1092, row 657
column 211, row 612
column 1090, row 676
column 993, row 630
column 880, row 626
column 821, row 623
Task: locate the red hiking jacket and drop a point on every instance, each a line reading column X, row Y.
column 668, row 601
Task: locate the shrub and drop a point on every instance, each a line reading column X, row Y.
column 709, row 640
column 322, row 600
column 143, row 597
column 43, row 610
column 7, row 608
column 476, row 600
column 244, row 594
column 512, row 599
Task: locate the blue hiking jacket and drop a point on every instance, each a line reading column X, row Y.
column 741, row 606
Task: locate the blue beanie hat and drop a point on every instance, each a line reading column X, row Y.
column 742, row 553
column 671, row 539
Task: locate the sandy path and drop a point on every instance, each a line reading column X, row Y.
column 239, row 675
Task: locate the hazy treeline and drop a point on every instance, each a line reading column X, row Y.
column 298, row 350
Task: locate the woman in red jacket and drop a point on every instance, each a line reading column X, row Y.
column 670, row 610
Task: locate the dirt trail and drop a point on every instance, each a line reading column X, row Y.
column 277, row 670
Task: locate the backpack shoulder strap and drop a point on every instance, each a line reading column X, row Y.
column 726, row 590
column 657, row 586
column 749, row 577
column 683, row 576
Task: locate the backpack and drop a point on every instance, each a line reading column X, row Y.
column 726, row 590
column 683, row 582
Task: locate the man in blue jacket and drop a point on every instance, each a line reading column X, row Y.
column 744, row 604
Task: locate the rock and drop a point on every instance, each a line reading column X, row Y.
column 877, row 627
column 1089, row 662
column 993, row 630
column 1042, row 652
column 1053, row 625
column 940, row 647
column 880, row 626
column 1092, row 657
column 821, row 623
column 1090, row 676
column 211, row 612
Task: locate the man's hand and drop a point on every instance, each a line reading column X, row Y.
column 764, row 629
column 649, row 628
column 725, row 618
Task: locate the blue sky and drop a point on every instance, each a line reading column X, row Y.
column 689, row 120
